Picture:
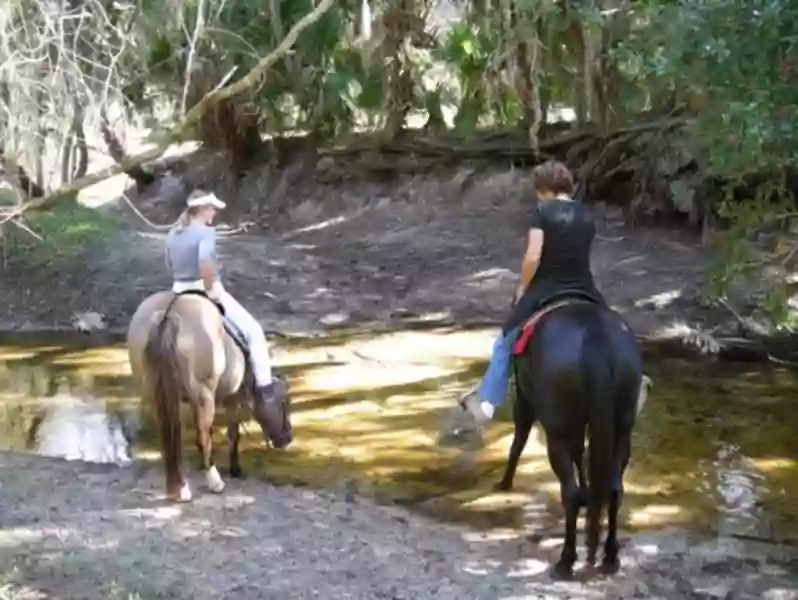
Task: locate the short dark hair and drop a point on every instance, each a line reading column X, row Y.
column 554, row 177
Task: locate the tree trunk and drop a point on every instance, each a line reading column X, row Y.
column 365, row 20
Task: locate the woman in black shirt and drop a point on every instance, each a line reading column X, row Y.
column 556, row 264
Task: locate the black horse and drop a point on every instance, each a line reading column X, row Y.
column 581, row 370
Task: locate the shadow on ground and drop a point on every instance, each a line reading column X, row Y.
column 74, row 531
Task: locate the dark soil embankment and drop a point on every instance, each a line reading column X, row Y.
column 366, row 253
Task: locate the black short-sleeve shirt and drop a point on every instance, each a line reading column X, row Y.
column 564, row 269
column 568, row 232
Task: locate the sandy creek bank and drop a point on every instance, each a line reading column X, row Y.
column 75, row 532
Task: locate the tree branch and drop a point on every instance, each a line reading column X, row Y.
column 178, row 131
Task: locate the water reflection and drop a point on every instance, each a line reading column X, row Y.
column 63, row 413
column 740, row 487
column 714, row 450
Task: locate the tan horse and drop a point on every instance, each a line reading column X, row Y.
column 180, row 352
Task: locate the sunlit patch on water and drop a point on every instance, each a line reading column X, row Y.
column 67, row 412
column 714, row 449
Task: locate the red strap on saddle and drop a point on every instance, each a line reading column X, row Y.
column 529, row 326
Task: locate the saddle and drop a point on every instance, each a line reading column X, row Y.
column 528, row 328
column 232, row 330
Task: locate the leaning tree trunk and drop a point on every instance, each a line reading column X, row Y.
column 75, row 152
column 528, row 50
column 400, row 22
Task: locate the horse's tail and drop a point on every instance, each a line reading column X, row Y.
column 597, row 370
column 168, row 390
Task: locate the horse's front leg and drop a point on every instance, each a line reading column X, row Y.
column 203, row 414
column 233, row 436
column 524, row 417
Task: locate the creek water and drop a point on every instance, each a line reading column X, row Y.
column 715, row 450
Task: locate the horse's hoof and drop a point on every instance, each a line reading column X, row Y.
column 237, row 473
column 503, row 486
column 563, row 571
column 610, row 566
column 591, row 559
column 213, row 480
column 184, row 495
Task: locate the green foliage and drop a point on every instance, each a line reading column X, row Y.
column 728, row 62
column 67, row 231
column 732, row 64
column 469, row 49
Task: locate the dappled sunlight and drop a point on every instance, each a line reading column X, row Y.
column 321, row 225
column 425, row 346
column 487, row 274
column 675, row 329
column 17, row 536
column 774, row 465
column 148, row 455
column 157, row 513
column 713, row 449
column 488, row 279
column 658, row 515
column 660, row 300
column 12, row 353
column 98, row 361
column 367, row 375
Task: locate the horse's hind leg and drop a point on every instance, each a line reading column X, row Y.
column 168, row 407
column 233, row 437
column 611, row 563
column 204, row 410
column 563, row 465
column 578, row 452
column 524, row 417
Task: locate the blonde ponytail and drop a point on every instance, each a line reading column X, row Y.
column 184, row 220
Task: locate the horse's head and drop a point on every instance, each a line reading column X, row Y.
column 273, row 416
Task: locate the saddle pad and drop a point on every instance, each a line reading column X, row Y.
column 202, row 294
column 529, row 325
column 231, row 328
column 238, row 336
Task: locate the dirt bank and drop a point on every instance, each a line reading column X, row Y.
column 443, row 247
column 70, row 530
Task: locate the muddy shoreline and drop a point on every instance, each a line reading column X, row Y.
column 418, row 252
column 104, row 532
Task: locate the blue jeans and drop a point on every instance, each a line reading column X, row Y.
column 493, row 388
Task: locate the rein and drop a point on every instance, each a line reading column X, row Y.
column 162, row 323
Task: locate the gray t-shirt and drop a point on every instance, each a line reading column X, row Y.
column 187, row 247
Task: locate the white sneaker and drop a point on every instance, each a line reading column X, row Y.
column 474, row 405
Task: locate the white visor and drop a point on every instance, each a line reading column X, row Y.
column 204, row 199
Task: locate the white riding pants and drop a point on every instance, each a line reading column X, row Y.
column 240, row 317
